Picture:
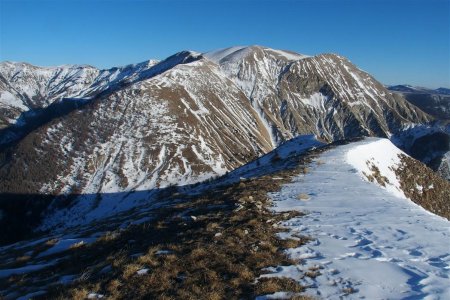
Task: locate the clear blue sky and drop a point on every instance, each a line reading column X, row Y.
column 398, row 41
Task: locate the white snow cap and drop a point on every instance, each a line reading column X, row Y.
column 239, row 52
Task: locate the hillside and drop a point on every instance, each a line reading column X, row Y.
column 267, row 228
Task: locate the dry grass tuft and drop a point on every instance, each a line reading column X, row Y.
column 109, row 236
column 51, row 242
column 23, row 258
column 270, row 285
column 376, row 175
column 292, row 243
column 303, row 197
column 79, row 294
column 348, row 290
column 130, row 270
column 312, row 274
column 424, row 187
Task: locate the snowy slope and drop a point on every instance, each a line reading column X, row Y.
column 24, row 87
column 368, row 241
column 166, row 130
column 239, row 52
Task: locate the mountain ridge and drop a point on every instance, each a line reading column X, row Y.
column 188, row 118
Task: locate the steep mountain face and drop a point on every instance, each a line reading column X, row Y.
column 325, row 94
column 434, row 102
column 178, row 121
column 171, row 129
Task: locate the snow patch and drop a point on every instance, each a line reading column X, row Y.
column 66, row 244
column 289, row 55
column 382, row 154
column 6, row 98
column 317, row 100
column 217, row 55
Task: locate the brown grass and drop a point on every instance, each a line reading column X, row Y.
column 219, row 255
column 312, row 274
column 51, row 242
column 435, row 192
column 348, row 290
column 376, row 175
column 270, row 285
column 79, row 294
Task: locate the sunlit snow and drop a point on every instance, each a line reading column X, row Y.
column 367, row 241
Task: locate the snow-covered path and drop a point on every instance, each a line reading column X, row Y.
column 368, row 242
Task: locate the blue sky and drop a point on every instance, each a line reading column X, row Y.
column 397, row 41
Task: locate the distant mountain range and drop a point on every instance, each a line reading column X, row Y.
column 434, row 102
column 405, row 88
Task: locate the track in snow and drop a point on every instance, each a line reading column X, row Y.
column 367, row 241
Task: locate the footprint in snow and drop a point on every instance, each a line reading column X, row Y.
column 362, row 242
column 374, row 252
column 414, row 252
column 334, row 236
column 438, row 262
column 347, row 255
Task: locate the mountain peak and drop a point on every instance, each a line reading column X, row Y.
column 237, row 53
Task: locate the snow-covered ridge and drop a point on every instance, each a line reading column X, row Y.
column 378, row 155
column 217, row 55
column 367, row 241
